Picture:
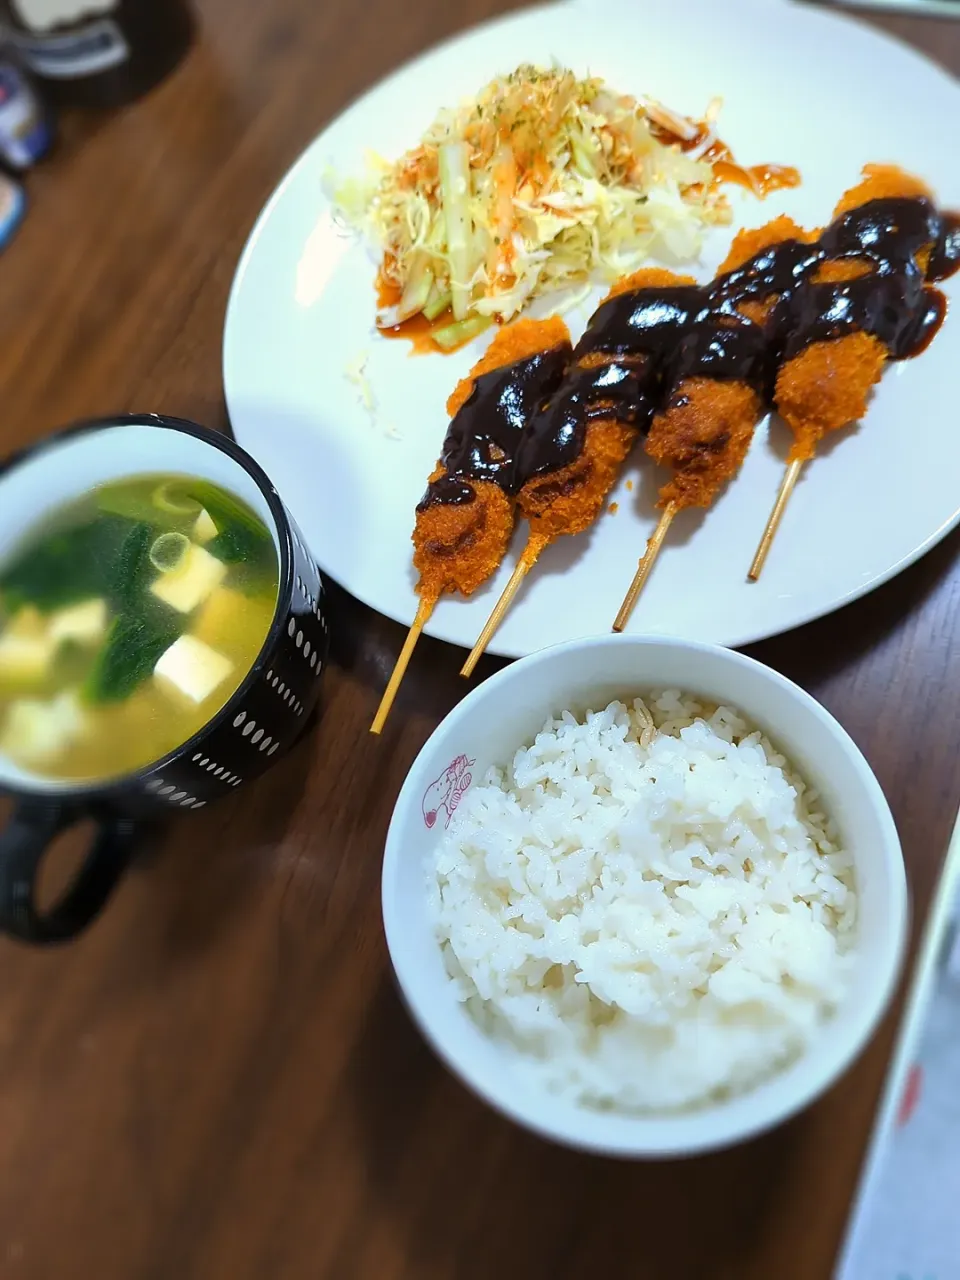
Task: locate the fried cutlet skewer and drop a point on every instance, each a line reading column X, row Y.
column 703, row 434
column 605, row 392
column 826, row 385
column 706, row 427
column 466, row 518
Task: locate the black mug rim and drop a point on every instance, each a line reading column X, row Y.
column 218, row 440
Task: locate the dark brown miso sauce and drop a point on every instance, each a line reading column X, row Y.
column 945, row 259
column 482, row 439
column 636, row 344
column 895, row 309
column 892, row 300
column 617, row 388
column 530, row 419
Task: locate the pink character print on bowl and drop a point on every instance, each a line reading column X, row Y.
column 447, row 791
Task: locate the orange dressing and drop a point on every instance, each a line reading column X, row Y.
column 761, row 179
column 418, row 329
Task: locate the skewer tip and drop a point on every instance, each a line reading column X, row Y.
column 790, row 477
column 654, row 543
column 400, row 666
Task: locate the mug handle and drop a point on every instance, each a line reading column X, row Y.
column 24, row 841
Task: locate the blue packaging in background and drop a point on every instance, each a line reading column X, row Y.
column 26, row 127
column 12, row 205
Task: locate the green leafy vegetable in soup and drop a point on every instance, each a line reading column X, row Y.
column 127, row 620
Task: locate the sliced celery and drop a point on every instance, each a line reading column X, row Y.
column 454, row 160
column 453, row 335
column 417, row 289
column 437, row 303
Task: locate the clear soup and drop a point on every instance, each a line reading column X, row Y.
column 127, row 620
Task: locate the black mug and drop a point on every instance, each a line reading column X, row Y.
column 260, row 721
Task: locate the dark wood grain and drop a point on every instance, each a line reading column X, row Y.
column 219, row 1080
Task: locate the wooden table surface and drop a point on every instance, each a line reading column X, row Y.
column 218, row 1080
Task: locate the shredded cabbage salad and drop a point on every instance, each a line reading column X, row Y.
column 541, row 183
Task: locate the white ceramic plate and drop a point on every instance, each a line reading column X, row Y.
column 801, row 87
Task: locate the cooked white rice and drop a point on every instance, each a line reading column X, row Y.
column 648, row 905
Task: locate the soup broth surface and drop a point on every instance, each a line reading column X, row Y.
column 128, row 619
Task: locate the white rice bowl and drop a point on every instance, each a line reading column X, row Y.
column 647, row 908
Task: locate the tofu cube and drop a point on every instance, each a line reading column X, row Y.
column 192, row 670
column 35, row 732
column 84, row 623
column 204, row 529
column 26, row 649
column 221, row 616
column 189, row 585
column 228, row 616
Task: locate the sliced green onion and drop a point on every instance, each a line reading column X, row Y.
column 454, row 159
column 224, row 509
column 437, row 303
column 173, row 498
column 169, row 551
column 115, row 500
column 453, row 335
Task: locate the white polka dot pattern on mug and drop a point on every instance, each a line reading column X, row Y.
column 307, row 594
column 261, row 733
column 167, row 791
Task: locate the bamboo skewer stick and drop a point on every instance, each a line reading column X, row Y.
column 496, row 617
column 790, row 477
column 654, row 543
column 535, row 544
column 400, row 666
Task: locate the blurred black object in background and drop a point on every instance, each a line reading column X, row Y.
column 98, row 53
